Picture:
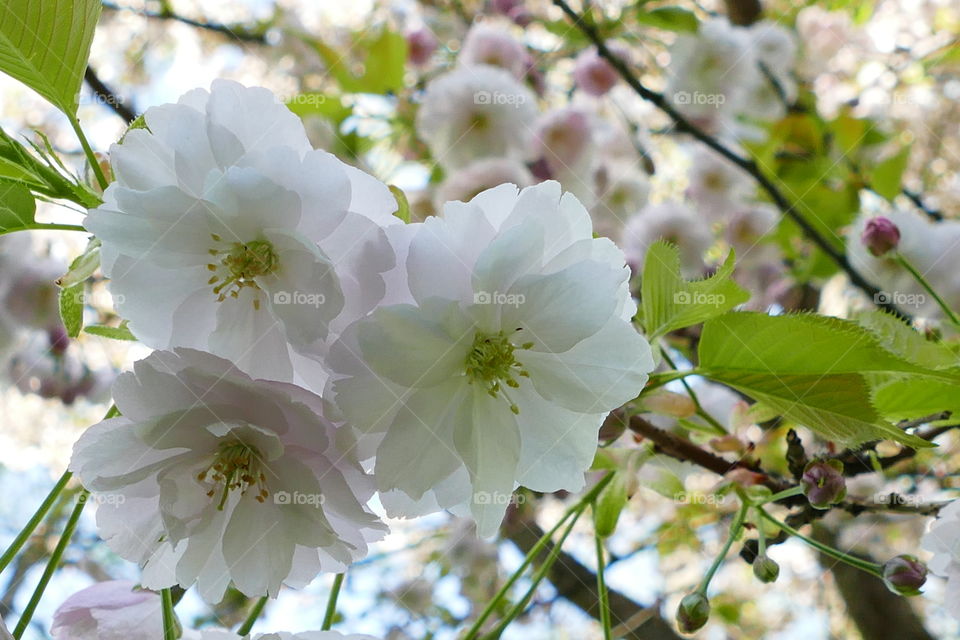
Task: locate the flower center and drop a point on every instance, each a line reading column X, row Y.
column 238, row 265
column 492, row 362
column 235, row 466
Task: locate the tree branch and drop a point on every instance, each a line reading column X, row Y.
column 107, row 96
column 234, row 31
column 748, row 165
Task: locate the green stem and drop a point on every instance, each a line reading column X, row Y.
column 864, row 565
column 703, row 413
column 32, row 524
column 533, row 553
column 52, row 565
column 42, row 226
column 537, row 578
column 735, row 527
column 782, row 495
column 332, row 602
column 252, row 616
column 602, row 590
column 88, row 151
column 169, row 617
column 929, row 289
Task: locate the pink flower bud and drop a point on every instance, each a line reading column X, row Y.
column 904, row 575
column 823, row 483
column 880, row 236
column 593, row 74
column 421, row 43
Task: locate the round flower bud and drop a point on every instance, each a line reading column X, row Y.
column 823, row 483
column 421, row 43
column 904, row 575
column 766, row 569
column 880, row 236
column 693, row 612
column 593, row 74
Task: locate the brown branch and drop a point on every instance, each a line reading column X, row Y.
column 106, row 96
column 235, row 31
column 683, row 125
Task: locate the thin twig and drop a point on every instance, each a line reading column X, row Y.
column 235, row 31
column 107, row 96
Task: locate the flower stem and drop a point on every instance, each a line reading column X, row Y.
column 900, row 258
column 169, row 617
column 34, row 521
column 602, row 590
column 52, row 565
column 786, row 493
column 88, row 151
column 255, row 612
column 332, row 602
column 735, row 527
column 864, row 565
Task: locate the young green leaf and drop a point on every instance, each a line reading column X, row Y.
column 71, row 309
column 669, row 302
column 669, row 19
column 114, row 333
column 17, row 206
column 45, row 45
column 886, row 177
column 610, row 503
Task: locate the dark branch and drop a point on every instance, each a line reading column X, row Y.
column 683, row 125
column 106, row 96
column 234, row 31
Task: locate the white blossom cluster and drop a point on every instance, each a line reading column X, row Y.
column 313, row 352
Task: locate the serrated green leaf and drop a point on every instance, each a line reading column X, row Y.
column 83, row 266
column 114, row 333
column 887, row 176
column 17, row 206
column 808, row 368
column 71, row 309
column 901, row 398
column 901, row 339
column 45, row 44
column 668, row 302
column 669, row 19
column 403, row 205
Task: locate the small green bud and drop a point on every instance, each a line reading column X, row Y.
column 904, row 575
column 693, row 612
column 766, row 569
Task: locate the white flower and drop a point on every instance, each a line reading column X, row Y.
column 622, row 190
column 514, row 345
column 112, row 610
column 489, row 45
column 563, row 138
column 210, row 476
column 479, row 176
column 774, row 46
column 671, row 221
column 716, row 184
column 476, row 112
column 943, row 540
column 929, row 246
column 226, row 232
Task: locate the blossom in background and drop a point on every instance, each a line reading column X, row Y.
column 671, row 221
column 111, row 610
column 943, row 540
column 223, row 634
column 481, row 175
column 225, row 231
column 622, row 190
column 563, row 138
column 927, row 245
column 421, row 43
column 494, row 46
column 210, row 476
column 514, row 344
column 593, row 74
column 476, row 112
column 717, row 186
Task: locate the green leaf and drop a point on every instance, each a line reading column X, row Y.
column 83, row 266
column 669, row 19
column 403, row 206
column 911, row 345
column 383, row 65
column 808, row 368
column 17, row 206
column 887, row 176
column 669, row 302
column 71, row 309
column 908, row 398
column 610, row 503
column 45, row 45
column 114, row 333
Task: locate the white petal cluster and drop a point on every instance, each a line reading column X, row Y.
column 513, row 345
column 111, row 610
column 473, row 112
column 225, row 231
column 211, row 477
column 494, row 46
column 943, row 540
